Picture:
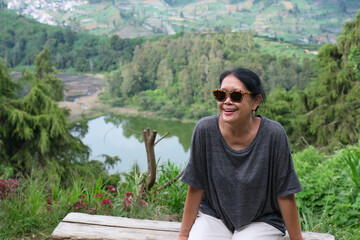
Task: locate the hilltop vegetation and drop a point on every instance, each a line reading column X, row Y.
column 21, row 39
column 302, row 21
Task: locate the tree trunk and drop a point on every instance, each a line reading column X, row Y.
column 149, row 139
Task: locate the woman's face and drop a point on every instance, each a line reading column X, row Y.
column 236, row 111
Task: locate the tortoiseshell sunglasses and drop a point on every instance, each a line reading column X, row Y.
column 235, row 95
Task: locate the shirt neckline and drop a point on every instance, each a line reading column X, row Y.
column 248, row 148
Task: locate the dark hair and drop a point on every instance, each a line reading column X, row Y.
column 248, row 78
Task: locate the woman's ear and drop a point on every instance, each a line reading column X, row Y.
column 258, row 99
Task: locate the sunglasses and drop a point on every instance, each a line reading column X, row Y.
column 235, row 95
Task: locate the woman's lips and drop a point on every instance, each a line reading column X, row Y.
column 229, row 111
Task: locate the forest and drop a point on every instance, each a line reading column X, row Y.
column 21, row 39
column 45, row 170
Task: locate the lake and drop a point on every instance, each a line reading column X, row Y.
column 121, row 136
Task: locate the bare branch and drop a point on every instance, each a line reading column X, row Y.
column 161, row 138
column 171, row 181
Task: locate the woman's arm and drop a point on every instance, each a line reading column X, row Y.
column 192, row 203
column 289, row 213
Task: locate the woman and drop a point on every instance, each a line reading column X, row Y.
column 240, row 175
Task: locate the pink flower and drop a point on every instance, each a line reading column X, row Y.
column 92, row 211
column 129, row 194
column 99, row 195
column 110, row 188
column 106, row 202
column 78, row 205
column 6, row 187
column 127, row 204
column 13, row 184
column 143, row 203
column 82, row 196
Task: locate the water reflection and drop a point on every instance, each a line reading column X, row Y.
column 121, row 136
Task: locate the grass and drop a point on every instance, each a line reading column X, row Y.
column 285, row 48
column 33, row 206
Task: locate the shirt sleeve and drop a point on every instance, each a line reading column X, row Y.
column 193, row 174
column 287, row 181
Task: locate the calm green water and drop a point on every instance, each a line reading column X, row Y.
column 121, row 136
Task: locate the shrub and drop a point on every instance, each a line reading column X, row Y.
column 330, row 201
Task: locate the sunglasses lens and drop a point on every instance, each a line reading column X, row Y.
column 236, row 96
column 219, row 95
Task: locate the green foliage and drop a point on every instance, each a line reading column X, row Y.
column 34, row 130
column 175, row 76
column 326, row 112
column 283, row 106
column 21, row 40
column 330, row 201
column 36, row 204
column 331, row 99
column 351, row 157
column 44, row 70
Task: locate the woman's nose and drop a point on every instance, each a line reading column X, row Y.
column 227, row 98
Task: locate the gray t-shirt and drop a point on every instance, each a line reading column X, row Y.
column 242, row 186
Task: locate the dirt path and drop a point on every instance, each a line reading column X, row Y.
column 81, row 93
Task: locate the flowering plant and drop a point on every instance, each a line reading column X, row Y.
column 7, row 187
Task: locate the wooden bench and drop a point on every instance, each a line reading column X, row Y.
column 85, row 226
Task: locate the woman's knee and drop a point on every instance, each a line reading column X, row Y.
column 258, row 231
column 209, row 228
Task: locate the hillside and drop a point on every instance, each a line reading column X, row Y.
column 303, row 21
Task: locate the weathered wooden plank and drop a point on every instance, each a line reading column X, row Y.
column 313, row 236
column 122, row 222
column 67, row 230
column 85, row 226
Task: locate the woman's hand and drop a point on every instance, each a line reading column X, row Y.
column 192, row 203
column 289, row 213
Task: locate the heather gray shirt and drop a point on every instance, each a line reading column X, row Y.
column 242, row 186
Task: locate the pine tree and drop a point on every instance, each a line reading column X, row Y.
column 34, row 131
column 332, row 99
column 44, row 69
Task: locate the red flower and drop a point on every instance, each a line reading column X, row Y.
column 99, row 195
column 129, row 194
column 6, row 187
column 13, row 184
column 92, row 211
column 110, row 188
column 79, row 204
column 106, row 202
column 143, row 203
column 82, row 196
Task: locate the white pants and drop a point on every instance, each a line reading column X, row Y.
column 207, row 227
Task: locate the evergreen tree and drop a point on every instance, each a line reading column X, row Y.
column 332, row 99
column 44, row 70
column 34, row 131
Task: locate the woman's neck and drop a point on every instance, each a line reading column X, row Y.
column 240, row 135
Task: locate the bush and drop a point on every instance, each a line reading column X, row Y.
column 33, row 206
column 171, row 110
column 330, row 201
column 198, row 111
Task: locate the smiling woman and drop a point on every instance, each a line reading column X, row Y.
column 240, row 172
